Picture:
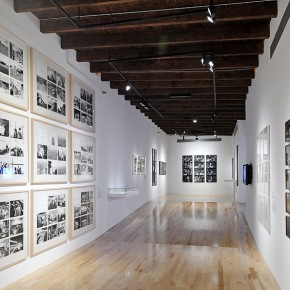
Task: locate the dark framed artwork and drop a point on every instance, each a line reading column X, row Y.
column 287, row 178
column 187, row 168
column 154, row 167
column 82, row 210
column 82, row 106
column 14, row 139
column 288, row 226
column 13, row 71
column 287, row 131
column 13, row 228
column 211, row 168
column 287, row 155
column 162, row 168
column 199, row 168
column 50, row 221
column 287, row 202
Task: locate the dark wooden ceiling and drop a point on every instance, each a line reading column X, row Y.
column 157, row 47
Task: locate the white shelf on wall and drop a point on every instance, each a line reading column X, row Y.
column 117, row 192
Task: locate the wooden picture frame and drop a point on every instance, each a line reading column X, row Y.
column 50, row 222
column 13, row 148
column 288, row 226
column 287, row 178
column 82, row 106
column 138, row 164
column 82, row 210
column 162, row 168
column 82, row 157
column 13, row 228
column 50, row 88
column 50, row 153
column 287, row 155
column 13, row 71
column 287, row 131
column 287, row 202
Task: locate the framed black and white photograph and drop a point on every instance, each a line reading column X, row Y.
column 199, row 168
column 82, row 210
column 154, row 167
column 50, row 153
column 287, row 131
column 287, row 155
column 162, row 168
column 287, row 178
column 13, row 71
column 50, row 88
column 83, row 157
column 82, row 105
column 50, row 221
column 287, row 202
column 138, row 165
column 211, row 168
column 13, row 228
column 288, row 226
column 187, row 168
column 13, row 148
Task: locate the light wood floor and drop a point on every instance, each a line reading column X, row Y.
column 166, row 244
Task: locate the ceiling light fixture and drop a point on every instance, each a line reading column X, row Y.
column 144, row 103
column 211, row 13
column 211, row 64
column 203, row 59
column 127, row 86
column 194, row 120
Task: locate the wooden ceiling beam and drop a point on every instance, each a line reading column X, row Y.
column 181, row 84
column 175, row 76
column 80, row 40
column 200, row 91
column 219, row 97
column 246, row 11
column 171, row 51
column 227, row 62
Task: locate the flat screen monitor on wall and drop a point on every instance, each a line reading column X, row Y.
column 247, row 174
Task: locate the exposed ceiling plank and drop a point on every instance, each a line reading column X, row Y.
column 79, row 40
column 165, row 19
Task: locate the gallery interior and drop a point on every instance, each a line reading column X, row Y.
column 153, row 135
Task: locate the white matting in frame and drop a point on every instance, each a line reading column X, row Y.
column 138, row 164
column 50, row 153
column 50, row 88
column 50, row 219
column 13, row 70
column 82, row 210
column 13, row 228
column 82, row 106
column 13, row 148
column 83, row 157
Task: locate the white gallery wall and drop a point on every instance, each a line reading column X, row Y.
column 268, row 103
column 223, row 150
column 120, row 132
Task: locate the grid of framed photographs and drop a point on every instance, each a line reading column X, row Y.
column 211, row 168
column 50, row 153
column 50, row 219
column 154, row 167
column 13, row 228
column 162, row 168
column 82, row 210
column 199, row 168
column 50, row 88
column 138, row 165
column 187, row 168
column 13, row 148
column 83, row 157
column 13, row 71
column 82, row 107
